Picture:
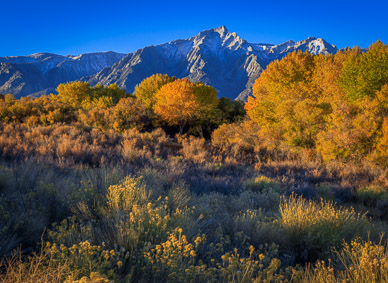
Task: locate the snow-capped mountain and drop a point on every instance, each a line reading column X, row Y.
column 216, row 57
column 40, row 73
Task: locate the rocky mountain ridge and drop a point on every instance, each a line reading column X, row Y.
column 217, row 57
column 41, row 73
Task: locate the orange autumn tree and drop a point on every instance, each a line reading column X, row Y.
column 182, row 102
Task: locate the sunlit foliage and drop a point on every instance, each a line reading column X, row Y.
column 335, row 104
column 182, row 102
column 146, row 90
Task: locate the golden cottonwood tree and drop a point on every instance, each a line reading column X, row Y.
column 335, row 104
column 76, row 93
column 355, row 128
column 146, row 90
column 285, row 102
column 181, row 102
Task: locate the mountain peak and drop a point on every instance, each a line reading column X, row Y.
column 316, row 45
column 221, row 30
column 219, row 38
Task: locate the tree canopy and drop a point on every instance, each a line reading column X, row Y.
column 336, row 104
column 181, row 102
column 146, row 90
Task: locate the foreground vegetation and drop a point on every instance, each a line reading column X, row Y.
column 173, row 184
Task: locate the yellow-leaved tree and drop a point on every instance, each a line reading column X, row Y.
column 336, row 104
column 182, row 102
column 286, row 104
column 355, row 128
column 146, row 90
column 76, row 93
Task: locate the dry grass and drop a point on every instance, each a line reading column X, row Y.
column 314, row 229
column 39, row 267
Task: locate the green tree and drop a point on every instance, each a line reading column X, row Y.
column 231, row 110
column 365, row 73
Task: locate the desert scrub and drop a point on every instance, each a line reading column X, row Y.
column 255, row 227
column 59, row 263
column 263, row 183
column 359, row 261
column 370, row 195
column 237, row 138
column 314, row 228
column 137, row 147
column 194, row 149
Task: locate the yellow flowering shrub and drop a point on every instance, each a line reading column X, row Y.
column 176, row 257
column 178, row 260
column 87, row 258
column 137, row 219
column 128, row 193
column 82, row 262
column 359, row 261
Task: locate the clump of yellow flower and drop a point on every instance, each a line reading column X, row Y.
column 361, row 262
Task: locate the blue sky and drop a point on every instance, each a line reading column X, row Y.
column 73, row 27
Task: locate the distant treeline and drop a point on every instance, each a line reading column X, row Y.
column 159, row 101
